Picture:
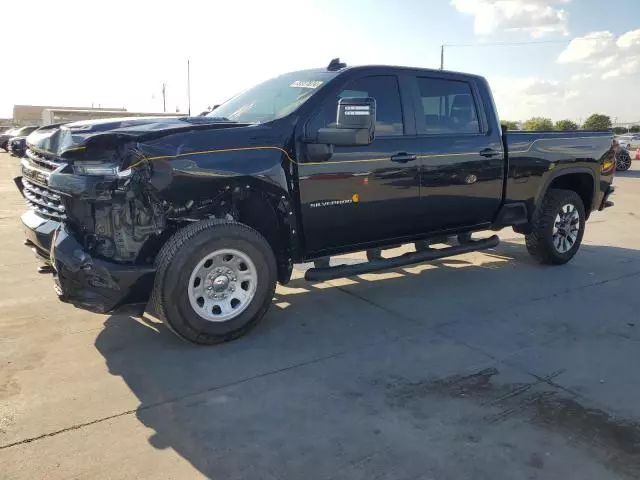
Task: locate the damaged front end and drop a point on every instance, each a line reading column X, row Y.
column 95, row 223
column 104, row 199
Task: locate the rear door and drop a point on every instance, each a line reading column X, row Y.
column 461, row 154
column 361, row 194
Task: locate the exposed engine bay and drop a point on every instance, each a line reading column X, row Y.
column 122, row 226
column 125, row 221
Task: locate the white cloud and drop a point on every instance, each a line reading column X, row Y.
column 602, row 51
column 520, row 98
column 571, row 94
column 590, row 47
column 629, row 40
column 537, row 17
column 580, row 76
column 607, row 61
column 534, row 87
column 630, row 67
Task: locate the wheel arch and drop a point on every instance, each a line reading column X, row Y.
column 271, row 213
column 578, row 179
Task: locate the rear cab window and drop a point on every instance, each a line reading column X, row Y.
column 447, row 107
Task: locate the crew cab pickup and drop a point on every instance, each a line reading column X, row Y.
column 199, row 217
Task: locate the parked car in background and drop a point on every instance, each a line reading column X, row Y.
column 630, row 142
column 19, row 133
column 17, row 146
column 623, row 159
column 5, row 136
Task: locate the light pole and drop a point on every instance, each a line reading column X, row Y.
column 189, row 86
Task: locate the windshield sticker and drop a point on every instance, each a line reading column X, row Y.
column 306, row 84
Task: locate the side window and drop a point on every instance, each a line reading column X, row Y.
column 385, row 90
column 448, row 106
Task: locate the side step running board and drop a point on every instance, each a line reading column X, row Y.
column 339, row 271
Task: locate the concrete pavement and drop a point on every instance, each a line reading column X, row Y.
column 482, row 366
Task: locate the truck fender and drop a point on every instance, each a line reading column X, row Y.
column 560, row 172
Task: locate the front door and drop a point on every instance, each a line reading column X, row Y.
column 361, row 194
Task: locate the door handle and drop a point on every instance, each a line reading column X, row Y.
column 489, row 152
column 403, row 157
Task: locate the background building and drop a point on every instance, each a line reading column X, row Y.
column 32, row 114
column 45, row 115
column 64, row 115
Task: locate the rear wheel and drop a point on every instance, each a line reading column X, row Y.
column 214, row 282
column 558, row 228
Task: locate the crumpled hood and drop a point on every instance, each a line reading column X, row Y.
column 60, row 139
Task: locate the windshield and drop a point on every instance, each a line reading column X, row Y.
column 274, row 98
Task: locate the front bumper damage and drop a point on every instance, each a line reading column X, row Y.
column 93, row 284
column 81, row 280
column 38, row 233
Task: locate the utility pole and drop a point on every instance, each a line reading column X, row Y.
column 164, row 97
column 441, row 57
column 189, row 86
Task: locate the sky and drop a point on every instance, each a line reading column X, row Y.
column 554, row 58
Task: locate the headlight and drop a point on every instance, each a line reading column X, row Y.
column 96, row 169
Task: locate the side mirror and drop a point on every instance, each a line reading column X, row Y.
column 355, row 124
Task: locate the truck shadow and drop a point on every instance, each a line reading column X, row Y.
column 629, row 173
column 178, row 384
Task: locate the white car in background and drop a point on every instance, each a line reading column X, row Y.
column 630, row 142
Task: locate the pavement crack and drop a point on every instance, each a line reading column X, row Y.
column 67, row 429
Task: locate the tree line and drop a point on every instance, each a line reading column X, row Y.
column 597, row 122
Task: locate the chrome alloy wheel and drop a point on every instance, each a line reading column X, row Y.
column 566, row 228
column 623, row 162
column 222, row 285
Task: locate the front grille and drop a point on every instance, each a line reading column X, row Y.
column 43, row 201
column 42, row 161
column 36, row 170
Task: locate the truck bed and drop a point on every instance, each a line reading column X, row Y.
column 536, row 158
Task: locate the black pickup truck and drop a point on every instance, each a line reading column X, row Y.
column 200, row 217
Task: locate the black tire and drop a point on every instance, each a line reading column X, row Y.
column 540, row 241
column 175, row 263
column 623, row 161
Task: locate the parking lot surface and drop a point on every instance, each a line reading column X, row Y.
column 482, row 366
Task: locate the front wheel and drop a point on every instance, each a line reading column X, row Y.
column 557, row 228
column 214, row 281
